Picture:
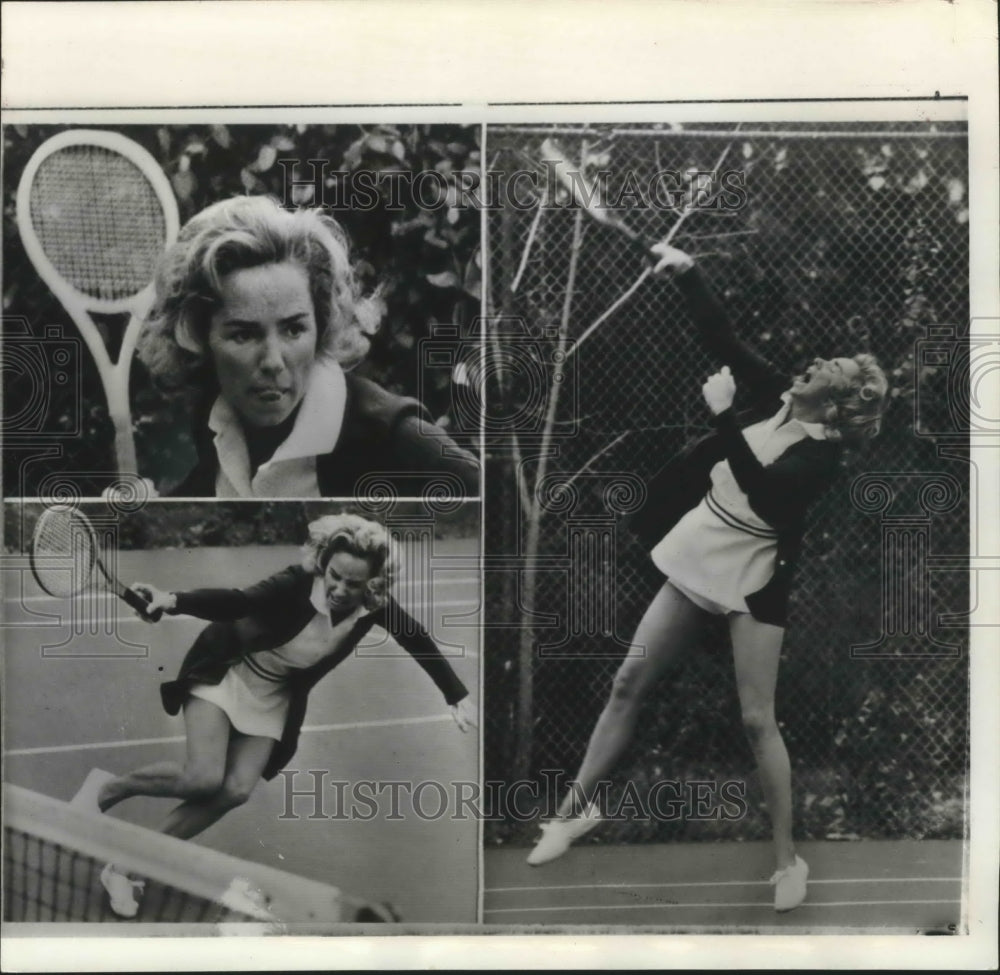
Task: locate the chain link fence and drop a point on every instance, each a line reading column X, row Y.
column 835, row 239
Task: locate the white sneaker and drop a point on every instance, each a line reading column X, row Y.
column 558, row 834
column 122, row 891
column 790, row 885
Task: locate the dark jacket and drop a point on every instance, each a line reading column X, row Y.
column 780, row 492
column 268, row 615
column 382, row 433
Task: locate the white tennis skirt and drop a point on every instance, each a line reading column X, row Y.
column 248, row 713
column 713, row 563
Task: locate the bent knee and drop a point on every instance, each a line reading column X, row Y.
column 759, row 722
column 201, row 783
column 235, row 792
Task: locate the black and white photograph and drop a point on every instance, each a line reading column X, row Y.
column 239, row 311
column 733, row 694
column 499, row 485
column 291, row 686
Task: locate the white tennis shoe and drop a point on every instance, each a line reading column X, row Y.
column 123, row 891
column 558, row 834
column 790, row 885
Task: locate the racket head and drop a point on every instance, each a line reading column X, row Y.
column 95, row 212
column 585, row 191
column 63, row 551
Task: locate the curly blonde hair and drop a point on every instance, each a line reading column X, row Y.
column 854, row 413
column 358, row 537
column 237, row 234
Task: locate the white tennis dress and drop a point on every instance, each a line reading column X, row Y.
column 721, row 550
column 254, row 692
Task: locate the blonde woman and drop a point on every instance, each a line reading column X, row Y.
column 725, row 520
column 244, row 684
column 257, row 321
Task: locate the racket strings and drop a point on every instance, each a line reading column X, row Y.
column 98, row 220
column 63, row 553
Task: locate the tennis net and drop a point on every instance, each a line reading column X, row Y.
column 54, row 854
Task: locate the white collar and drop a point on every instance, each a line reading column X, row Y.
column 316, row 430
column 318, row 596
column 817, row 431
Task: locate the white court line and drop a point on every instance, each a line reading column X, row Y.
column 670, row 907
column 308, row 729
column 724, row 883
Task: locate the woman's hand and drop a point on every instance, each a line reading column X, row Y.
column 719, row 391
column 670, row 259
column 464, row 714
column 159, row 601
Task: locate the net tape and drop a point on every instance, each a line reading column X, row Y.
column 54, row 854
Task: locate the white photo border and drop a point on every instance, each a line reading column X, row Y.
column 514, row 62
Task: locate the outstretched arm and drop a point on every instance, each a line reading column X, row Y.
column 219, row 605
column 714, row 328
column 417, row 642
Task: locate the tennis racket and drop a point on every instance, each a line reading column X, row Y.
column 65, row 558
column 587, row 195
column 95, row 212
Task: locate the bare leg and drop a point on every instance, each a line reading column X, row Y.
column 756, row 651
column 201, row 774
column 245, row 762
column 664, row 633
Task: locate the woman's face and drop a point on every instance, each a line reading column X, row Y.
column 346, row 580
column 823, row 377
column 262, row 341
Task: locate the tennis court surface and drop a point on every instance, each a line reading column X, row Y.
column 91, row 700
column 903, row 886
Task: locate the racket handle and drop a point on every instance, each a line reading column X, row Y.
column 140, row 605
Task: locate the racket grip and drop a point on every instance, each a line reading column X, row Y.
column 140, row 605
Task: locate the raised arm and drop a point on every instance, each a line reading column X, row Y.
column 715, row 329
